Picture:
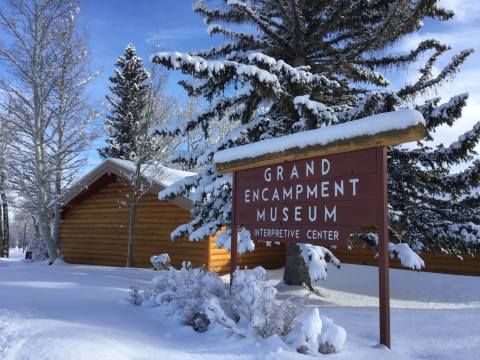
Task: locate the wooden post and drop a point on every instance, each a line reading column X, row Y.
column 233, row 245
column 383, row 254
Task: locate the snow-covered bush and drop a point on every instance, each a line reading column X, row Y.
column 253, row 299
column 332, row 337
column 306, row 333
column 201, row 299
column 185, row 293
column 313, row 333
column 134, row 296
column 160, row 262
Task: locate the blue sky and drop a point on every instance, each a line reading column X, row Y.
column 111, row 25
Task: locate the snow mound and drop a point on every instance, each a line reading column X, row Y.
column 304, row 336
column 315, row 333
column 332, row 338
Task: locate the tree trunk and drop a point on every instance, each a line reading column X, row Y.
column 56, row 229
column 131, row 229
column 44, row 219
column 133, row 213
column 41, row 177
column 6, row 230
column 2, row 232
column 57, row 216
column 24, row 244
column 296, row 271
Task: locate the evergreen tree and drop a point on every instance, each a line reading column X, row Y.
column 127, row 104
column 289, row 66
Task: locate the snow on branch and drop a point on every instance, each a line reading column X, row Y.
column 402, row 251
column 219, row 29
column 408, row 258
column 211, row 68
column 316, row 258
column 244, row 241
column 314, row 106
column 178, row 187
column 314, row 114
column 296, row 74
column 424, row 84
column 366, row 75
column 447, row 112
column 460, row 149
column 465, row 232
column 397, row 60
column 467, row 179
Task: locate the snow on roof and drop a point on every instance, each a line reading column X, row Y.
column 160, row 174
column 370, row 125
column 154, row 173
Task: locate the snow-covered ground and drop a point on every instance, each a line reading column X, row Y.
column 81, row 312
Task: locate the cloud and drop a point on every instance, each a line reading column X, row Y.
column 461, row 38
column 172, row 37
column 465, row 10
column 467, row 80
column 462, row 34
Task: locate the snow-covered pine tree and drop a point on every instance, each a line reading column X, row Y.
column 127, row 104
column 138, row 107
column 289, row 66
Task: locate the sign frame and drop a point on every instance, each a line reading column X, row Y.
column 379, row 141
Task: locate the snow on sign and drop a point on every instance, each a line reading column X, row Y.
column 320, row 186
column 318, row 200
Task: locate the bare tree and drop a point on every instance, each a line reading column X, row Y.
column 44, row 62
column 192, row 142
column 5, row 140
column 73, row 118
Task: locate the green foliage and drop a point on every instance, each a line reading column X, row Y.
column 127, row 105
column 289, row 66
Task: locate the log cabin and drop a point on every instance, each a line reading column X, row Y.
column 94, row 229
column 95, row 217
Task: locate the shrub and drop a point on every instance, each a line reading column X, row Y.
column 201, row 299
column 160, row 262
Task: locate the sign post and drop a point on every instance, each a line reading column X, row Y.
column 234, row 234
column 319, row 194
column 383, row 255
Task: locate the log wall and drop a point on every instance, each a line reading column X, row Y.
column 438, row 263
column 95, row 231
column 269, row 257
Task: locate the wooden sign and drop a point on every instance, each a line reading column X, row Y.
column 319, row 187
column 319, row 200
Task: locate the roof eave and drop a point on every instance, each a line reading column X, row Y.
column 108, row 166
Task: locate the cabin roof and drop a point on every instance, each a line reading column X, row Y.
column 159, row 177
